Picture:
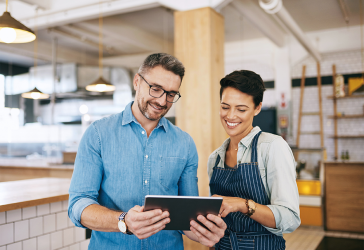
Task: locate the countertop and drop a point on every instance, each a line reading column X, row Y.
column 33, row 192
column 22, row 162
column 344, row 162
column 58, row 166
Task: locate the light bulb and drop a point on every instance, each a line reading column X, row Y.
column 100, row 87
column 83, row 109
column 7, row 35
column 35, row 95
column 86, row 117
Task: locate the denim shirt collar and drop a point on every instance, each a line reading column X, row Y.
column 247, row 140
column 128, row 117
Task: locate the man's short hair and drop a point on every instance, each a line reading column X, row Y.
column 168, row 62
column 245, row 81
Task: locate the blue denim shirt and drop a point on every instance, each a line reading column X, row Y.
column 117, row 165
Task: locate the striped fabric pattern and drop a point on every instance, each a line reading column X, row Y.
column 245, row 182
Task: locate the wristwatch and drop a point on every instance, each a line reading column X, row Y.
column 122, row 225
column 252, row 207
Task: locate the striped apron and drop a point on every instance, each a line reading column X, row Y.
column 243, row 232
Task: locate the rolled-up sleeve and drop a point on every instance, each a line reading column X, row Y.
column 87, row 175
column 187, row 185
column 281, row 181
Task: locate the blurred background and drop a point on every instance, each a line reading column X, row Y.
column 79, row 61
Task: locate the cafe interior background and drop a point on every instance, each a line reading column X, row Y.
column 80, row 68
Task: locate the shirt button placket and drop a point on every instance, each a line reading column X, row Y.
column 146, row 170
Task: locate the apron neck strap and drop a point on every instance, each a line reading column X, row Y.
column 217, row 160
column 254, row 157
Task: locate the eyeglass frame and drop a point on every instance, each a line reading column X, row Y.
column 164, row 91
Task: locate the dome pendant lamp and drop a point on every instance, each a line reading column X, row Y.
column 35, row 94
column 13, row 31
column 100, row 85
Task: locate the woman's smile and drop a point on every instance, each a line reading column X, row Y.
column 232, row 125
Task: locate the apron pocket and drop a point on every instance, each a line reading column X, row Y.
column 246, row 243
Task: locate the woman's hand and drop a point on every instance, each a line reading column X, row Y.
column 231, row 205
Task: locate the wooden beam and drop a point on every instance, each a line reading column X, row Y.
column 199, row 44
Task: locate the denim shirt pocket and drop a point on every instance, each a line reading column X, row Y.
column 170, row 171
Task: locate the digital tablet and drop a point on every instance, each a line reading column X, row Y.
column 183, row 209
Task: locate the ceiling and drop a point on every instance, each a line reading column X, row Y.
column 151, row 29
column 310, row 15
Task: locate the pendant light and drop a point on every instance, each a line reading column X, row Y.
column 35, row 93
column 100, row 85
column 13, row 31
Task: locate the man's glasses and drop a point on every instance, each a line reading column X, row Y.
column 157, row 92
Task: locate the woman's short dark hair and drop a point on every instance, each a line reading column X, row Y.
column 168, row 62
column 245, row 81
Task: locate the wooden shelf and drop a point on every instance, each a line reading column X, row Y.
column 345, row 116
column 347, row 136
column 344, row 97
column 311, row 133
column 310, row 113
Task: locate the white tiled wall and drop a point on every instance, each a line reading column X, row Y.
column 354, row 126
column 44, row 227
column 347, row 62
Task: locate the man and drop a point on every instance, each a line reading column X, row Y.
column 124, row 157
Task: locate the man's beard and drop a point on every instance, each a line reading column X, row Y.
column 143, row 107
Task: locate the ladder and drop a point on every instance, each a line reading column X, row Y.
column 299, row 133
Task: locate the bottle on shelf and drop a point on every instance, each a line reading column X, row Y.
column 343, row 155
column 339, row 86
column 347, row 157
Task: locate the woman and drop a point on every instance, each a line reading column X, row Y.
column 253, row 171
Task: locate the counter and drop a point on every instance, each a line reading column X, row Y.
column 34, row 192
column 14, row 172
column 33, row 215
column 344, row 199
column 310, row 196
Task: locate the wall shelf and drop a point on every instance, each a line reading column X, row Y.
column 345, row 116
column 347, row 136
column 345, row 97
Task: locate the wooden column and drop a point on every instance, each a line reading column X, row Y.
column 199, row 44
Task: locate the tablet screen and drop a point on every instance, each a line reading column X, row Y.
column 183, row 209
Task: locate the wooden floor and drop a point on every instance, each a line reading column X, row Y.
column 308, row 238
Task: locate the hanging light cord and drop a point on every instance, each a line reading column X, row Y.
column 100, row 41
column 36, row 45
column 6, row 8
column 361, row 37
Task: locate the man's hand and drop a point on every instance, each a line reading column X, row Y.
column 231, row 205
column 145, row 224
column 208, row 237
